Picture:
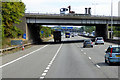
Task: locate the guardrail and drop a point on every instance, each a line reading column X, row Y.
column 10, row 48
column 76, row 14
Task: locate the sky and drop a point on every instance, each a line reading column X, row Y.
column 99, row 7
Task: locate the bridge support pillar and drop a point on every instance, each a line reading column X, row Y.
column 102, row 31
column 33, row 32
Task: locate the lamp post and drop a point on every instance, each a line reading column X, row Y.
column 111, row 19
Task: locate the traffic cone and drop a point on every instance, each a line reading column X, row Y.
column 23, row 47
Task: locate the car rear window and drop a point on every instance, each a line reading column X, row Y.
column 99, row 38
column 88, row 41
column 116, row 50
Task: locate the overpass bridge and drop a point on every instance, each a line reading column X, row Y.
column 32, row 21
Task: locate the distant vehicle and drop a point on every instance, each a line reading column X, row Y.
column 112, row 55
column 87, row 43
column 67, row 34
column 64, row 11
column 87, row 34
column 72, row 35
column 57, row 36
column 99, row 40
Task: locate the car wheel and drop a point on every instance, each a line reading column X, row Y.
column 95, row 43
column 110, row 63
column 105, row 60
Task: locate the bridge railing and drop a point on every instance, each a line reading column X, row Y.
column 54, row 14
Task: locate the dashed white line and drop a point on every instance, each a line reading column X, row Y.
column 41, row 77
column 44, row 74
column 84, row 53
column 22, row 57
column 45, row 71
column 89, row 57
column 48, row 68
column 49, row 65
column 98, row 66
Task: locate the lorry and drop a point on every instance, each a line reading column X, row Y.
column 67, row 34
column 57, row 36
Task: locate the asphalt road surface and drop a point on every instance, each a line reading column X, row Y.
column 63, row 60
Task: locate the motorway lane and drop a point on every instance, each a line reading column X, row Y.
column 31, row 66
column 97, row 58
column 69, row 63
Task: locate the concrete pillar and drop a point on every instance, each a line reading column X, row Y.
column 102, row 31
column 33, row 32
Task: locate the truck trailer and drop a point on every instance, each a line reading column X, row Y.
column 57, row 36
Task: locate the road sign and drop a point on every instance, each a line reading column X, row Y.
column 24, row 36
column 69, row 27
column 42, row 32
column 16, row 42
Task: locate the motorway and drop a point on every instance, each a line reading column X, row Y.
column 62, row 60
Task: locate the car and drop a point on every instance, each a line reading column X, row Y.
column 99, row 40
column 87, row 43
column 112, row 55
column 72, row 35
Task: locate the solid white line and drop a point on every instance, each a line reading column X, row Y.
column 89, row 57
column 22, row 57
column 98, row 66
column 44, row 74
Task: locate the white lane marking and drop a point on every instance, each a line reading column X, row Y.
column 98, row 66
column 22, row 57
column 44, row 74
column 41, row 77
column 45, row 71
column 49, row 65
column 84, row 53
column 81, row 50
column 48, row 68
column 89, row 57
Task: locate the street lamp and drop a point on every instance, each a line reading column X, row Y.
column 111, row 19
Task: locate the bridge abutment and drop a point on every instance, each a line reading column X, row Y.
column 33, row 32
column 102, row 31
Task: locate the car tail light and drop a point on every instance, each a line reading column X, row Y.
column 91, row 42
column 111, row 52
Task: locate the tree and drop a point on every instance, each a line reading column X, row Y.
column 11, row 13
